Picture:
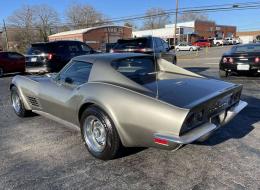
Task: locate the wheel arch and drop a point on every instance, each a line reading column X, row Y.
column 109, row 112
column 21, row 94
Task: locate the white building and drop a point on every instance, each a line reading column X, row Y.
column 184, row 30
column 190, row 31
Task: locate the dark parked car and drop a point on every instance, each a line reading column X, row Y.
column 11, row 62
column 240, row 58
column 202, row 43
column 53, row 56
column 149, row 45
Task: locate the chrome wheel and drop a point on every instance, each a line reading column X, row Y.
column 94, row 133
column 16, row 102
column 1, row 72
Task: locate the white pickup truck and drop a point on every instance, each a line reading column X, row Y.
column 218, row 41
column 230, row 41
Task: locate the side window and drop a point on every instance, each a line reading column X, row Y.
column 4, row 55
column 159, row 44
column 13, row 55
column 62, row 49
column 166, row 46
column 75, row 73
column 74, row 47
column 85, row 48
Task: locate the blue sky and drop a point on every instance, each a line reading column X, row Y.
column 246, row 19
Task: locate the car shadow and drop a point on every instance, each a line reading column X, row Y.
column 197, row 69
column 244, row 74
column 128, row 151
column 239, row 127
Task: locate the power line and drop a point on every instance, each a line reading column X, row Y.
column 201, row 9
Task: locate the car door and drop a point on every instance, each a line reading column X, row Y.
column 4, row 62
column 64, row 52
column 59, row 94
column 11, row 65
column 167, row 54
column 185, row 47
column 17, row 61
column 180, row 47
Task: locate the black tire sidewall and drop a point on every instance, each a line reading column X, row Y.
column 112, row 142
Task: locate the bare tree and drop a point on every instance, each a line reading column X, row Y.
column 131, row 24
column 156, row 18
column 46, row 18
column 82, row 16
column 31, row 24
column 22, row 21
column 189, row 16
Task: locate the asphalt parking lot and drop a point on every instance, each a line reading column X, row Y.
column 37, row 153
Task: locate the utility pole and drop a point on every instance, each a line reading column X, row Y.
column 176, row 21
column 6, row 38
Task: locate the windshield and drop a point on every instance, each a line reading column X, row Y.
column 132, row 44
column 140, row 69
column 38, row 49
column 246, row 48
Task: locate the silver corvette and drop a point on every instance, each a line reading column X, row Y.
column 129, row 100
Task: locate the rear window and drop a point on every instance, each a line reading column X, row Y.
column 139, row 69
column 132, row 44
column 246, row 48
column 38, row 49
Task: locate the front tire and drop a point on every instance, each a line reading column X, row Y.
column 191, row 49
column 99, row 134
column 17, row 104
column 223, row 73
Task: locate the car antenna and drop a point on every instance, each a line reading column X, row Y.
column 156, row 68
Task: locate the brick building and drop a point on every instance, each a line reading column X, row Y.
column 97, row 37
column 190, row 31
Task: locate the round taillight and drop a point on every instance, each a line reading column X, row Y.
column 49, row 56
column 257, row 59
column 224, row 60
column 231, row 60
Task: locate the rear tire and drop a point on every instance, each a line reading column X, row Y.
column 17, row 104
column 177, row 49
column 1, row 72
column 99, row 134
column 223, row 73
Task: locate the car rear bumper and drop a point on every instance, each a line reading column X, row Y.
column 233, row 67
column 199, row 133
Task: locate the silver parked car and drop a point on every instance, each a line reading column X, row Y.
column 183, row 46
column 129, row 100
